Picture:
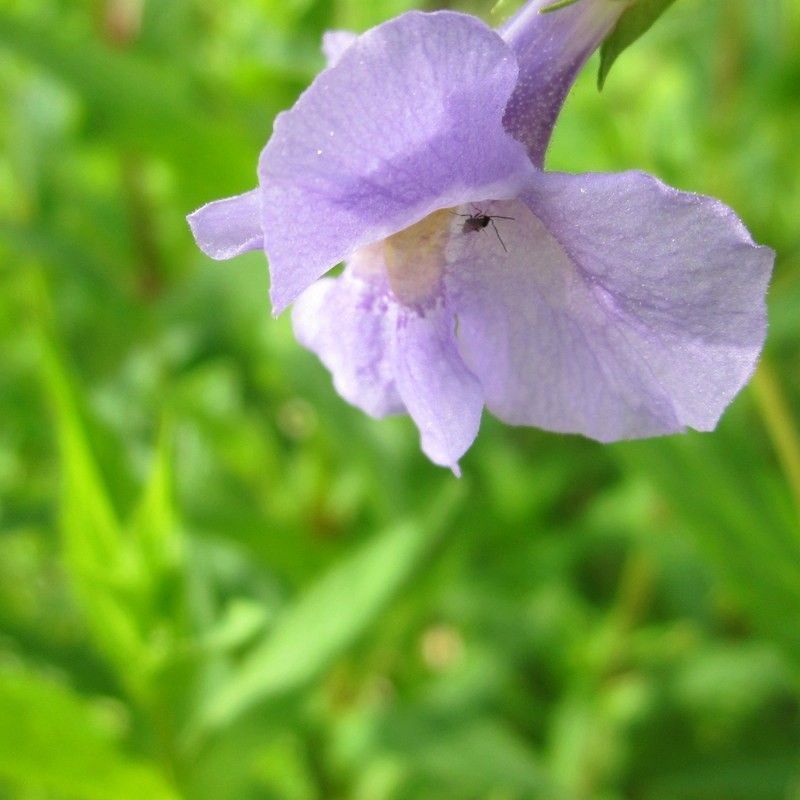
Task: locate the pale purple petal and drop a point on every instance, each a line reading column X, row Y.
column 623, row 308
column 348, row 322
column 227, row 228
column 334, row 44
column 551, row 49
column 442, row 396
column 388, row 358
column 408, row 121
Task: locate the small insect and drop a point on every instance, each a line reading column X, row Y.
column 479, row 220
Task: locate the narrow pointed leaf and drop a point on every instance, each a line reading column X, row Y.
column 328, row 618
column 636, row 21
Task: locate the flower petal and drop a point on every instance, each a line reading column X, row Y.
column 334, row 44
column 348, row 321
column 227, row 228
column 624, row 308
column 551, row 49
column 408, row 121
column 387, row 357
column 442, row 396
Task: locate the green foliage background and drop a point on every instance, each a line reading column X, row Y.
column 218, row 581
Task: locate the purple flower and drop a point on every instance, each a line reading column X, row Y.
column 607, row 305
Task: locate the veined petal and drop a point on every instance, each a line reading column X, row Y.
column 227, row 228
column 407, row 122
column 349, row 322
column 623, row 308
column 443, row 397
column 389, row 358
column 551, row 49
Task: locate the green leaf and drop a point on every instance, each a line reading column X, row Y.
column 120, row 573
column 557, row 5
column 153, row 526
column 52, row 740
column 91, row 532
column 330, row 616
column 637, row 20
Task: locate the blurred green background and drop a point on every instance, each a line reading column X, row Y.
column 217, row 580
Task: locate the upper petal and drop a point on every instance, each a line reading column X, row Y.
column 409, row 120
column 551, row 49
column 227, row 228
column 624, row 308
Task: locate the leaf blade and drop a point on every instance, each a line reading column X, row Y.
column 329, row 617
column 633, row 23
